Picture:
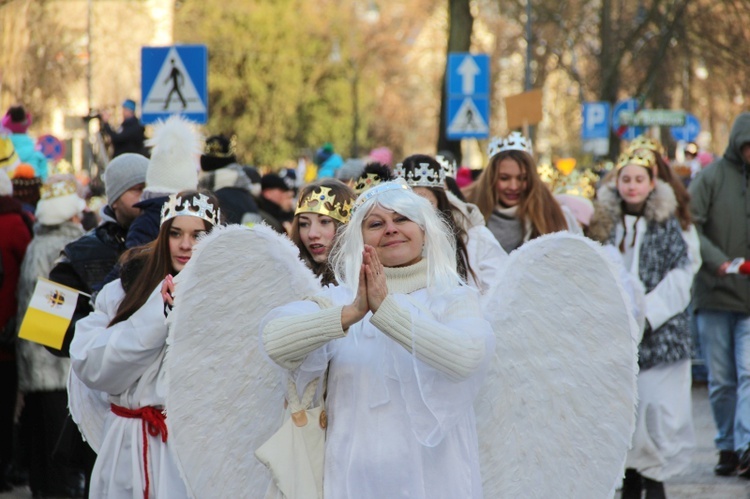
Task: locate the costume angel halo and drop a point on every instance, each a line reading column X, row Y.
column 513, row 142
column 199, row 206
column 399, row 183
column 423, row 175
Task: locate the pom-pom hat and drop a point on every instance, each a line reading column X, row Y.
column 173, row 166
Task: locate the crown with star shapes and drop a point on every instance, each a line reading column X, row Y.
column 513, row 142
column 197, row 206
column 323, row 202
column 57, row 189
column 422, row 174
column 639, row 157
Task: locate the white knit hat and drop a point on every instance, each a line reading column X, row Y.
column 6, row 186
column 175, row 157
column 59, row 202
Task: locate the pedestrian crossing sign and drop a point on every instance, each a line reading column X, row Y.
column 468, row 90
column 174, row 81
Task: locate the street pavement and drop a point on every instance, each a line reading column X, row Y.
column 698, row 481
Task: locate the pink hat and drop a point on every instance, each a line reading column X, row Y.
column 582, row 208
column 16, row 120
column 463, row 177
column 382, row 155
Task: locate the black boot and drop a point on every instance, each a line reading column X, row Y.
column 728, row 461
column 654, row 489
column 631, row 485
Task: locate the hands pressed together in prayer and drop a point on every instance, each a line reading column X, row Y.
column 371, row 292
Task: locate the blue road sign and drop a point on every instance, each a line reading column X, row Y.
column 625, row 132
column 687, row 132
column 174, row 81
column 595, row 120
column 468, row 85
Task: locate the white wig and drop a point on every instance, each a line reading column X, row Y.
column 439, row 243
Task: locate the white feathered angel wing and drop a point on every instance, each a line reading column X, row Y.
column 225, row 399
column 556, row 413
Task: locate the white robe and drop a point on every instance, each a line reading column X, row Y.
column 398, row 427
column 126, row 361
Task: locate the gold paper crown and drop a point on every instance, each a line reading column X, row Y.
column 643, row 142
column 399, row 183
column 513, row 142
column 366, row 182
column 640, row 157
column 323, row 202
column 424, row 175
column 58, row 189
column 199, row 206
column 449, row 166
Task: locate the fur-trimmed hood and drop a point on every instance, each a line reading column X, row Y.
column 660, row 205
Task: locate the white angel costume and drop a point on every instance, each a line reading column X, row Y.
column 486, row 257
column 122, row 365
column 554, row 415
column 401, row 385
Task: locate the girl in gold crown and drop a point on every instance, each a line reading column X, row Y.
column 516, row 204
column 637, row 217
column 117, row 356
column 323, row 207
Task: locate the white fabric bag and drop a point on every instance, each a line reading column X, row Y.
column 296, row 452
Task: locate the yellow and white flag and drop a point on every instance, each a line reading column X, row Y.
column 49, row 313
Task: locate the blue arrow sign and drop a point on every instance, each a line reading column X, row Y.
column 468, row 85
column 174, row 81
column 687, row 132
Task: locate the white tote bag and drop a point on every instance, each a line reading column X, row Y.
column 296, row 452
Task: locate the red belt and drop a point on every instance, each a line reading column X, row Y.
column 156, row 421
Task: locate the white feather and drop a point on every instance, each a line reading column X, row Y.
column 556, row 414
column 225, row 398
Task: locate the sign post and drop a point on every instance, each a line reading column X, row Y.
column 595, row 129
column 468, row 94
column 174, row 81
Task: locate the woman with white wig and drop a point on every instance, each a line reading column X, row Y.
column 405, row 346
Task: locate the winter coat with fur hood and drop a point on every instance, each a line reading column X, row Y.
column 660, row 261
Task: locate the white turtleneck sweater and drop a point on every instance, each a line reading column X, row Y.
column 401, row 385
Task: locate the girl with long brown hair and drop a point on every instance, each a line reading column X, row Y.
column 323, row 207
column 118, row 354
column 516, row 204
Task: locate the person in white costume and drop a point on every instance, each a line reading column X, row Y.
column 480, row 257
column 119, row 350
column 406, row 348
column 637, row 216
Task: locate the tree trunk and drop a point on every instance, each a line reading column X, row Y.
column 460, row 24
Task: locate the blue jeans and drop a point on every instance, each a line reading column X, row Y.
column 725, row 340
